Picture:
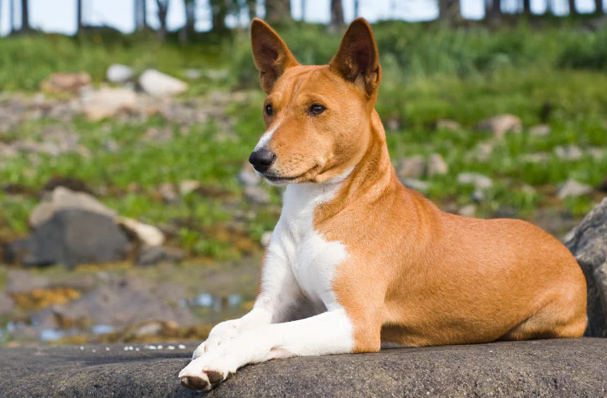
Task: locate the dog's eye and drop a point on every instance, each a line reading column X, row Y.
column 317, row 109
column 269, row 110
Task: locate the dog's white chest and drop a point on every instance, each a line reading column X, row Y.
column 312, row 259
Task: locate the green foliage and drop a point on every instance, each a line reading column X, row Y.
column 430, row 73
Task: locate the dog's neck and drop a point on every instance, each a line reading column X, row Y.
column 369, row 178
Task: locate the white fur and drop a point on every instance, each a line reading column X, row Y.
column 300, row 264
column 267, row 136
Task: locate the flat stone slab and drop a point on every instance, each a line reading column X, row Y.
column 548, row 368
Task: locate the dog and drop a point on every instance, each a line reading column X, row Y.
column 356, row 258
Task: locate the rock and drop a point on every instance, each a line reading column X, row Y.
column 569, row 152
column 257, row 195
column 539, row 157
column 572, row 188
column 418, row 185
column 120, row 303
column 193, row 74
column 217, row 74
column 188, row 186
column 564, row 368
column 540, row 130
column 247, row 176
column 152, row 255
column 107, row 102
column 413, row 167
column 59, row 83
column 158, row 135
column 71, row 237
column 478, row 180
column 265, row 238
column 478, row 195
column 159, row 84
column 482, row 152
column 501, row 124
column 602, row 187
column 588, row 243
column 119, row 74
column 467, row 211
column 147, row 234
column 597, row 154
column 7, row 305
column 167, row 193
column 63, row 198
column 437, row 165
column 447, row 124
column 393, row 123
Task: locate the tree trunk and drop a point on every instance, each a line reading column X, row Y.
column 163, row 10
column 1, row 15
column 136, row 8
column 303, row 10
column 527, row 7
column 278, row 10
column 144, row 14
column 572, row 9
column 79, row 15
column 599, row 7
column 356, row 8
column 252, row 5
column 190, row 21
column 25, row 16
column 11, row 15
column 449, row 11
column 337, row 15
column 219, row 10
column 495, row 12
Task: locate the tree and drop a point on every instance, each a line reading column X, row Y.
column 25, row 16
column 252, row 6
column 572, row 9
column 163, row 10
column 495, row 12
column 11, row 16
column 449, row 10
column 599, row 7
column 140, row 14
column 78, row 15
column 278, row 10
column 527, row 7
column 219, row 12
column 190, row 21
column 356, row 8
column 303, row 10
column 337, row 15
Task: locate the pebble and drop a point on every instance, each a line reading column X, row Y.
column 171, row 347
column 181, row 347
column 107, row 348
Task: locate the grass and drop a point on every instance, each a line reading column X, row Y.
column 430, row 73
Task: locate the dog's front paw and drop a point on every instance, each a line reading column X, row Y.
column 221, row 333
column 205, row 372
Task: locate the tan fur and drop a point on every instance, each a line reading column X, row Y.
column 415, row 275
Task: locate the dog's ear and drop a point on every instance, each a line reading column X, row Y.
column 271, row 54
column 357, row 59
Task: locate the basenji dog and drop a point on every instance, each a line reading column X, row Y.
column 356, row 258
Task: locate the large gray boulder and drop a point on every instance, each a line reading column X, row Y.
column 71, row 237
column 548, row 368
column 588, row 243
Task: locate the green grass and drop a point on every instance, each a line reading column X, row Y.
column 429, row 73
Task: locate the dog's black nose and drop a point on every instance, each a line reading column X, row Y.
column 262, row 159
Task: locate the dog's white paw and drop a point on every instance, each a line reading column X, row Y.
column 221, row 333
column 207, row 371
